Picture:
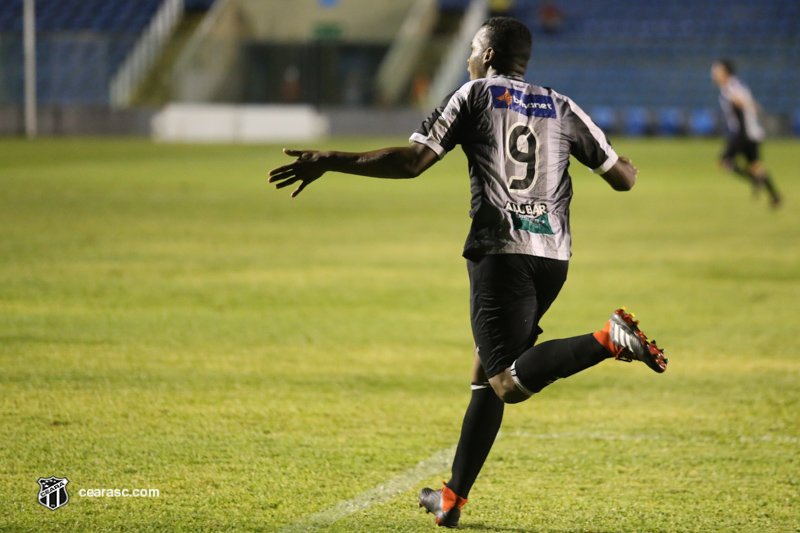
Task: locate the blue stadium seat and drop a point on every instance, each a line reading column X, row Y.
column 605, row 118
column 670, row 121
column 796, row 123
column 637, row 121
column 702, row 122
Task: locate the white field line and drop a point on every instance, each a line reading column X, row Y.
column 435, row 464
column 442, row 459
column 581, row 435
column 769, row 438
column 644, row 436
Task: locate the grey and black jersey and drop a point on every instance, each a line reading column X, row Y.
column 742, row 120
column 517, row 138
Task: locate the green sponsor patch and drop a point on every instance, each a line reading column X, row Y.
column 540, row 224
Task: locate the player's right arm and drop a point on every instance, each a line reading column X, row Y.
column 401, row 162
column 590, row 146
column 622, row 175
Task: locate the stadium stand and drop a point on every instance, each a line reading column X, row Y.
column 637, row 121
column 629, row 54
column 670, row 121
column 605, row 117
column 796, row 122
column 702, row 122
column 80, row 45
column 640, row 67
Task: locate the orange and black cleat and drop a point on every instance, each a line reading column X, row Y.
column 444, row 504
column 627, row 342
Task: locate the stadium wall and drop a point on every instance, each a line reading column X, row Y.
column 243, row 49
column 66, row 120
column 100, row 121
column 354, row 21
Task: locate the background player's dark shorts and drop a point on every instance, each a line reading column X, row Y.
column 509, row 293
column 739, row 144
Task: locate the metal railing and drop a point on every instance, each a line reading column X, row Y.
column 206, row 61
column 398, row 66
column 147, row 49
column 454, row 64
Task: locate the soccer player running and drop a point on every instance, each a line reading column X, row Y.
column 518, row 138
column 744, row 132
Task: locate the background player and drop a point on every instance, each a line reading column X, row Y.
column 518, row 138
column 744, row 132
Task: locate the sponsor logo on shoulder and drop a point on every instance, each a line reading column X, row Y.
column 530, row 105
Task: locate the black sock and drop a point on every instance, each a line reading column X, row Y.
column 773, row 193
column 478, row 431
column 544, row 363
column 743, row 172
column 765, row 180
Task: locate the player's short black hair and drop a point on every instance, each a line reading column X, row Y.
column 510, row 38
column 728, row 65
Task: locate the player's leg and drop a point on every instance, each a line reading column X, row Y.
column 510, row 294
column 513, row 294
column 545, row 363
column 735, row 146
column 754, row 171
column 478, row 431
column 761, row 176
column 557, row 359
column 510, row 364
column 505, row 307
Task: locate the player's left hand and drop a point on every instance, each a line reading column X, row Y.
column 305, row 169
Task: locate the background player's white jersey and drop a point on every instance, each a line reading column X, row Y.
column 742, row 120
column 518, row 138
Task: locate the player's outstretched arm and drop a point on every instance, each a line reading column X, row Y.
column 400, row 162
column 621, row 176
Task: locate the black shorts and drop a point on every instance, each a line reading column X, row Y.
column 509, row 293
column 739, row 144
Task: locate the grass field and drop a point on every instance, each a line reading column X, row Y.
column 168, row 320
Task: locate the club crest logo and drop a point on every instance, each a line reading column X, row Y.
column 53, row 492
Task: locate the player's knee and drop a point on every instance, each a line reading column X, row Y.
column 505, row 388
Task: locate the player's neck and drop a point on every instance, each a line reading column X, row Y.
column 511, row 73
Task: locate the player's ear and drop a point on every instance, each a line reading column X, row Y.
column 488, row 56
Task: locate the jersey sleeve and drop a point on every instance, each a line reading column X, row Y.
column 739, row 95
column 446, row 126
column 588, row 143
